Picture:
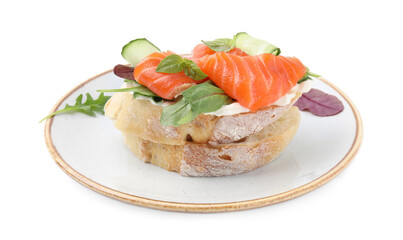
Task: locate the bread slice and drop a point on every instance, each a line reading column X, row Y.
column 204, row 159
column 141, row 118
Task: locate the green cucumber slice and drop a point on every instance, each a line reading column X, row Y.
column 138, row 49
column 254, row 46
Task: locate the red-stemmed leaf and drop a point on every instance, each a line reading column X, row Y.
column 319, row 103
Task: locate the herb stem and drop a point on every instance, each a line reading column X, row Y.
column 57, row 112
column 118, row 90
column 313, row 74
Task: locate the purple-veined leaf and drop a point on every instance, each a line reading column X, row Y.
column 319, row 103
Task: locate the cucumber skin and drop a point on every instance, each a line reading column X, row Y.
column 270, row 48
column 126, row 52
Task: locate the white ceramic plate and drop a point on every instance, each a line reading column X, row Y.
column 92, row 151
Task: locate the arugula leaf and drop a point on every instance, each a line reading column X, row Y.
column 132, row 89
column 175, row 63
column 89, row 107
column 137, row 91
column 201, row 98
column 221, row 44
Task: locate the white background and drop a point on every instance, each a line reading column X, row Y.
column 49, row 47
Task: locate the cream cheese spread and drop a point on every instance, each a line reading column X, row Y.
column 235, row 107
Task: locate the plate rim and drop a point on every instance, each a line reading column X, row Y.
column 204, row 207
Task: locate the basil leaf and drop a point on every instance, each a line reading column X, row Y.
column 175, row 63
column 189, row 117
column 173, row 114
column 201, row 90
column 205, row 98
column 209, row 103
column 193, row 71
column 202, row 98
column 171, row 64
column 220, row 44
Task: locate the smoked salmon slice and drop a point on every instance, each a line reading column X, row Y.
column 254, row 81
column 202, row 50
column 165, row 85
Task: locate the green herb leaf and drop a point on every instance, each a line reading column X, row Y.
column 304, row 78
column 132, row 89
column 201, row 90
column 221, row 44
column 137, row 91
column 201, row 98
column 210, row 103
column 276, row 51
column 89, row 107
column 205, row 98
column 308, row 76
column 193, row 71
column 175, row 63
column 173, row 114
column 189, row 117
column 171, row 64
column 145, row 92
column 313, row 74
column 129, row 81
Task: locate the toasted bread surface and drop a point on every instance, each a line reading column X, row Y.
column 141, row 118
column 204, row 159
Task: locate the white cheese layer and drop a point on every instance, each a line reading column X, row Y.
column 235, row 107
column 299, row 88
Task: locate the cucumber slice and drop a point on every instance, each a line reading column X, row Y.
column 138, row 49
column 254, row 46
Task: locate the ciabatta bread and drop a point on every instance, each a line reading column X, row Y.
column 141, row 118
column 204, row 159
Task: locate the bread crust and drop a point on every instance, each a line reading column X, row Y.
column 142, row 118
column 204, row 159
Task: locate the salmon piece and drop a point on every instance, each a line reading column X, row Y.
column 254, row 81
column 202, row 50
column 165, row 85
